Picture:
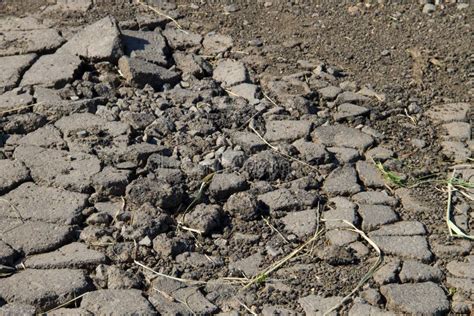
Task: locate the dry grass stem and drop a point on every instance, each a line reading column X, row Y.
column 162, row 14
column 168, row 276
column 369, row 273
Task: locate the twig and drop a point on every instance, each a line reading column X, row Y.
column 410, row 117
column 193, row 230
column 468, row 196
column 18, row 109
column 67, row 303
column 369, row 273
column 269, row 99
column 14, row 209
column 167, row 276
column 205, row 182
column 174, row 299
column 275, row 230
column 264, row 274
column 250, row 125
column 247, row 308
column 162, row 14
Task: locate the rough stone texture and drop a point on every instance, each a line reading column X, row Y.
column 275, row 310
column 98, row 132
column 117, row 302
column 379, row 154
column 359, row 309
column 342, row 181
column 456, row 151
column 351, row 97
column 461, row 269
column 336, row 255
column 169, row 247
column 43, row 94
column 71, row 171
column 205, row 218
column 329, row 93
column 32, row 41
column 422, row 298
column 374, row 197
column 52, row 70
column 44, row 289
column 56, row 109
column 230, row 72
column 140, row 72
column 371, row 296
column 47, row 137
column 214, row 44
column 349, row 110
column 74, row 255
column 457, row 248
column 458, row 131
column 388, row 272
column 149, row 46
column 69, row 312
column 99, row 41
column 43, row 203
column 288, row 200
column 266, row 165
column 196, row 302
column 17, row 309
column 414, row 271
column 177, row 39
column 250, row 266
column 344, row 155
column 247, row 91
column 12, row 68
column 466, row 285
column 288, row 88
column 118, row 279
column 67, row 5
column 14, row 99
column 403, row 228
column 13, row 173
column 370, row 175
column 191, row 64
column 408, row 247
column 7, row 254
column 340, row 135
column 165, row 306
column 311, row 152
column 10, row 23
column 110, row 181
column 300, row 223
column 224, row 185
column 47, row 236
column 286, row 130
column 445, row 113
column 24, row 123
column 242, row 205
column 341, row 237
column 318, row 305
column 157, row 192
column 249, row 142
column 410, row 202
column 376, row 215
column 343, row 209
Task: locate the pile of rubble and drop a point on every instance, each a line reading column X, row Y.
column 142, row 166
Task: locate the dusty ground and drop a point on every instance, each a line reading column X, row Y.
column 412, row 62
